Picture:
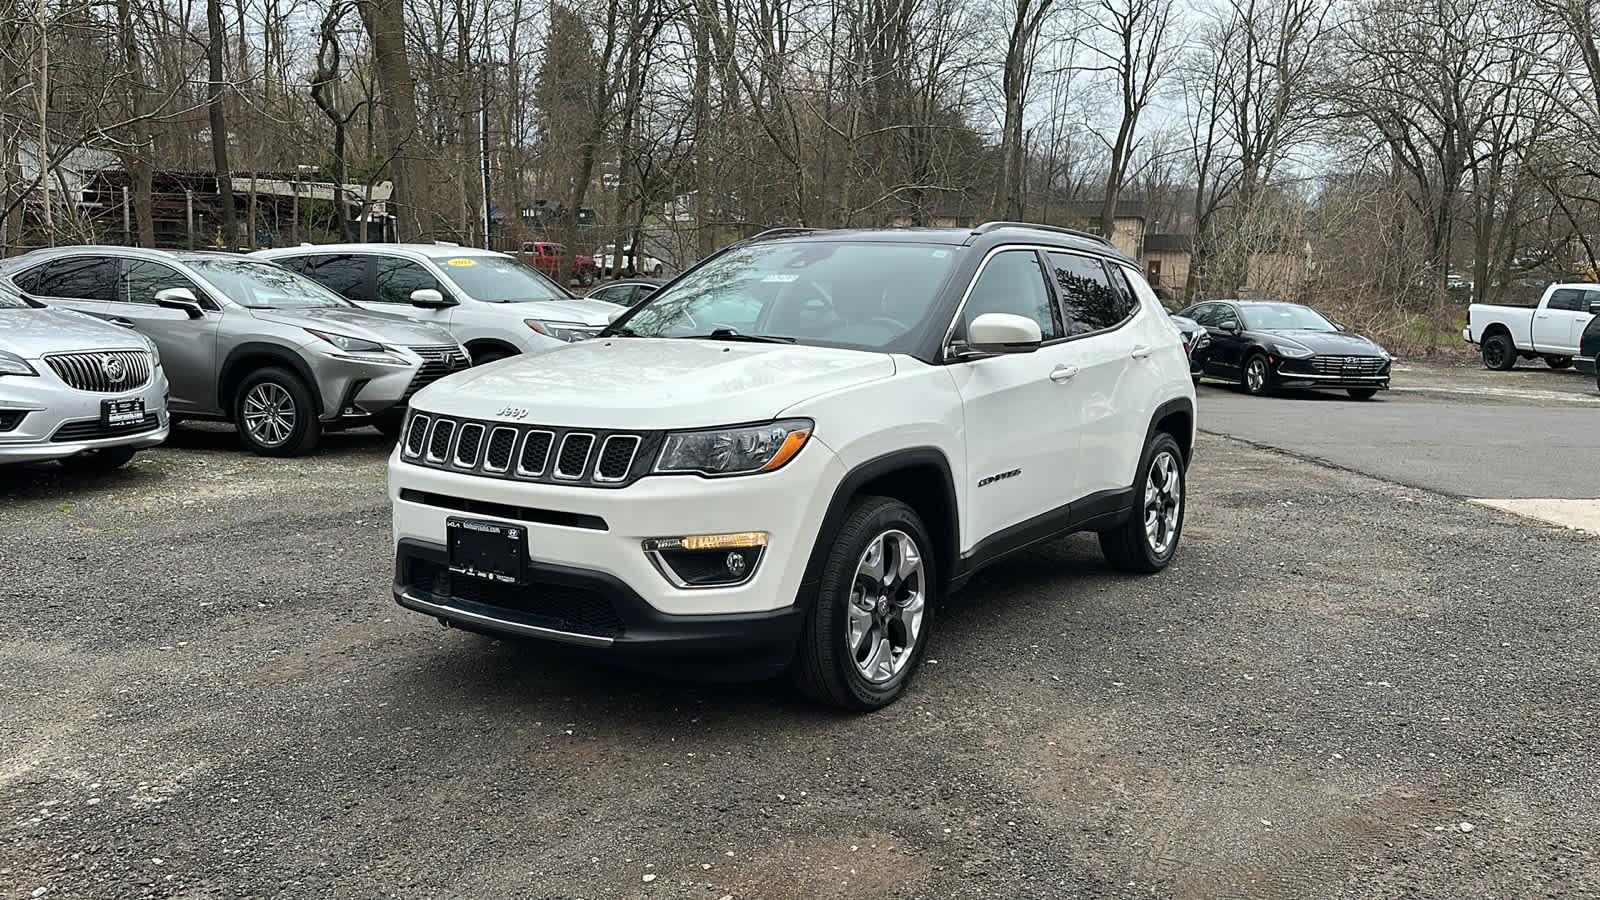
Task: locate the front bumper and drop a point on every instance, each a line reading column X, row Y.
column 58, row 421
column 592, row 539
column 1302, row 373
column 1466, row 335
column 355, row 391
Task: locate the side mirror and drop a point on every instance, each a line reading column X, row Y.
column 1231, row 326
column 1004, row 333
column 429, row 298
column 613, row 316
column 1594, row 307
column 1338, row 327
column 180, row 298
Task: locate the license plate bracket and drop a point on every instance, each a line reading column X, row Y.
column 489, row 551
column 121, row 413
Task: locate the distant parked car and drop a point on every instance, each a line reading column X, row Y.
column 75, row 389
column 1266, row 345
column 243, row 340
column 1551, row 328
column 555, row 262
column 644, row 265
column 627, row 292
column 490, row 302
column 1194, row 338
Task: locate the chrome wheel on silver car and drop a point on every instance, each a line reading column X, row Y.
column 275, row 413
column 1163, row 503
column 887, row 600
column 269, row 414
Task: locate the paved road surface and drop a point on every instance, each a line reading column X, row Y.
column 1486, row 445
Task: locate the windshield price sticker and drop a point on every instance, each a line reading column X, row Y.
column 463, row 262
column 780, row 277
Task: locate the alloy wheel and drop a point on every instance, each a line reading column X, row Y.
column 269, row 414
column 888, row 600
column 1163, row 503
column 1255, row 375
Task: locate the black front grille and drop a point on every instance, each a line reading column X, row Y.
column 616, row 457
column 11, row 418
column 502, row 441
column 558, row 606
column 437, row 362
column 467, row 447
column 439, row 443
column 578, row 456
column 92, row 429
column 416, row 434
column 574, row 456
column 110, row 372
column 1348, row 365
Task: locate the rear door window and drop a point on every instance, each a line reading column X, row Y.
column 342, row 273
column 79, row 278
column 1089, row 301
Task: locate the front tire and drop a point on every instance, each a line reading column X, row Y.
column 1147, row 541
column 585, row 278
column 1558, row 362
column 864, row 638
column 105, row 459
column 1499, row 353
column 275, row 414
column 1257, row 376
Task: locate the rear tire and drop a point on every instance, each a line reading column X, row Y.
column 1148, row 540
column 1558, row 362
column 1362, row 393
column 275, row 414
column 1499, row 353
column 106, row 459
column 867, row 633
column 585, row 278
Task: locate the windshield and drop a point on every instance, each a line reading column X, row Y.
column 499, row 279
column 1284, row 317
column 861, row 295
column 262, row 285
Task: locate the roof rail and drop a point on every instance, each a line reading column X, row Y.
column 987, row 227
column 781, row 232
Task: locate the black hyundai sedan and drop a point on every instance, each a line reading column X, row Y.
column 1266, row 345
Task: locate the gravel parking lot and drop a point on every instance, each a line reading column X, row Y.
column 1342, row 688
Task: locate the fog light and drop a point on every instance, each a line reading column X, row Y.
column 707, row 560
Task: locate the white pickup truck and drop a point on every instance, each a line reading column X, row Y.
column 1550, row 329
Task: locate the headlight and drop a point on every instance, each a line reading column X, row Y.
column 1294, row 351
column 734, row 451
column 155, row 354
column 561, row 331
column 348, row 344
column 12, row 364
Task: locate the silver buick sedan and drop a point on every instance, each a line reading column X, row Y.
column 74, row 388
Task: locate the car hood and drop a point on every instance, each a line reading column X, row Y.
column 581, row 310
column 31, row 333
column 1336, row 342
column 366, row 324
column 649, row 384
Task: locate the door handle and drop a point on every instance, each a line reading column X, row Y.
column 1542, row 316
column 1062, row 374
column 118, row 320
column 1141, row 352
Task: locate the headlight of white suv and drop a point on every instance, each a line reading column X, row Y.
column 739, row 450
column 561, row 331
column 12, row 364
column 1294, row 351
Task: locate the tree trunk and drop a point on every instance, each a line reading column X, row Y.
column 137, row 158
column 215, row 47
column 385, row 25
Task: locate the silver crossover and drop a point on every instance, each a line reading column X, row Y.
column 75, row 389
column 243, row 340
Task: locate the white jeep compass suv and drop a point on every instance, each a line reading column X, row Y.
column 787, row 458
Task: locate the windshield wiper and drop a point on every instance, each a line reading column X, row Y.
column 728, row 334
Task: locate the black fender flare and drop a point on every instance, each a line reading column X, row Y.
column 1181, row 405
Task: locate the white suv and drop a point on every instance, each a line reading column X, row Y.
column 490, row 302
column 787, row 458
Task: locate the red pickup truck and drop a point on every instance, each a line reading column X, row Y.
column 554, row 260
